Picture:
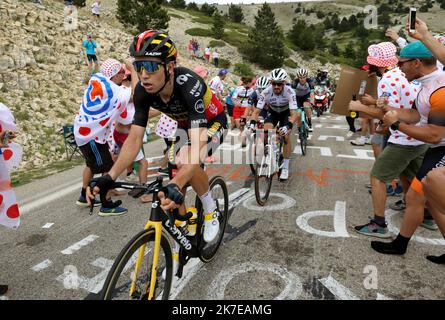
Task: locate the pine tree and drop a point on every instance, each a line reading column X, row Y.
column 218, row 25
column 334, row 49
column 193, row 6
column 335, row 22
column 207, row 9
column 236, row 13
column 143, row 14
column 349, row 51
column 178, row 4
column 266, row 40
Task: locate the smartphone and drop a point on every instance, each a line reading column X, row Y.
column 412, row 19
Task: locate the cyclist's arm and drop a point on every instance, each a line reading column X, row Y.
column 129, row 151
column 293, row 116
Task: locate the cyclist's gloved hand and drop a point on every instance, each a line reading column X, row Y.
column 173, row 193
column 252, row 125
column 284, row 130
column 102, row 185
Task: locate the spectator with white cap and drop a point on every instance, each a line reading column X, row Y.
column 104, row 100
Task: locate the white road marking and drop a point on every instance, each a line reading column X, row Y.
column 82, row 243
column 382, row 297
column 48, row 225
column 42, row 265
column 42, row 201
column 153, row 168
column 154, row 158
column 360, row 154
column 337, row 289
column 339, row 217
column 337, row 126
column 287, row 202
column 325, row 151
column 292, row 290
column 318, row 126
column 337, row 138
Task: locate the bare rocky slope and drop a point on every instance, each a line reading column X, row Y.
column 43, row 68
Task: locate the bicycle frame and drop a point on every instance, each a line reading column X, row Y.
column 159, row 220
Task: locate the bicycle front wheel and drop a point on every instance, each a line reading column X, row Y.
column 124, row 282
column 263, row 178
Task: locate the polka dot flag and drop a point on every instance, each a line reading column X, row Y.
column 10, row 158
column 102, row 104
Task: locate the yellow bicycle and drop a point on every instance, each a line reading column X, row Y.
column 144, row 268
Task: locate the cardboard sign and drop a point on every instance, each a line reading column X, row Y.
column 352, row 82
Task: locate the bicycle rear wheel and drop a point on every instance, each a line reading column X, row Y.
column 218, row 188
column 263, row 178
column 119, row 280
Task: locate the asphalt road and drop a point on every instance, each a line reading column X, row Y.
column 300, row 246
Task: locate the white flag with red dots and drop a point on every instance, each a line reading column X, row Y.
column 102, row 103
column 10, row 158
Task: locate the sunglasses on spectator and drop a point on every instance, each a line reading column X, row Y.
column 400, row 63
column 149, row 66
column 277, row 84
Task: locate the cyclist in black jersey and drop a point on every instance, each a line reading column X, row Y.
column 185, row 97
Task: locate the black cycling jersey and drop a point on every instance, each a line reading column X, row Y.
column 192, row 103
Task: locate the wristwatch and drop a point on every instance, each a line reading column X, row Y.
column 395, row 125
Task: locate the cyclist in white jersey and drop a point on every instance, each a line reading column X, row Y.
column 243, row 104
column 282, row 104
column 305, row 94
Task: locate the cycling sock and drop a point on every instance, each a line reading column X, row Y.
column 379, row 220
column 427, row 215
column 286, row 163
column 208, row 203
column 309, row 122
column 83, row 193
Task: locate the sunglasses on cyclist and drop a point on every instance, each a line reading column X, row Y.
column 149, row 66
column 277, row 84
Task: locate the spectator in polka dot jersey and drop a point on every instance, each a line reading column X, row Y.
column 10, row 156
column 403, row 155
column 103, row 102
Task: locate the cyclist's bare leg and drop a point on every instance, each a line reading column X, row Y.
column 143, row 167
column 287, row 148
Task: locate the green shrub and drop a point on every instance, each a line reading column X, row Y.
column 198, row 32
column 216, row 43
column 224, row 63
column 290, row 63
column 243, row 69
column 235, row 38
column 177, row 16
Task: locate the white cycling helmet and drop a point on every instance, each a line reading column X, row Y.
column 302, row 73
column 278, row 75
column 262, row 82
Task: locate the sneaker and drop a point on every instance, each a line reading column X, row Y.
column 175, row 265
column 398, row 206
column 367, row 140
column 82, row 202
column 349, row 135
column 374, row 230
column 211, row 226
column 163, row 171
column 429, row 224
column 284, row 174
column 398, row 191
column 108, row 212
column 132, row 177
column 358, row 142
